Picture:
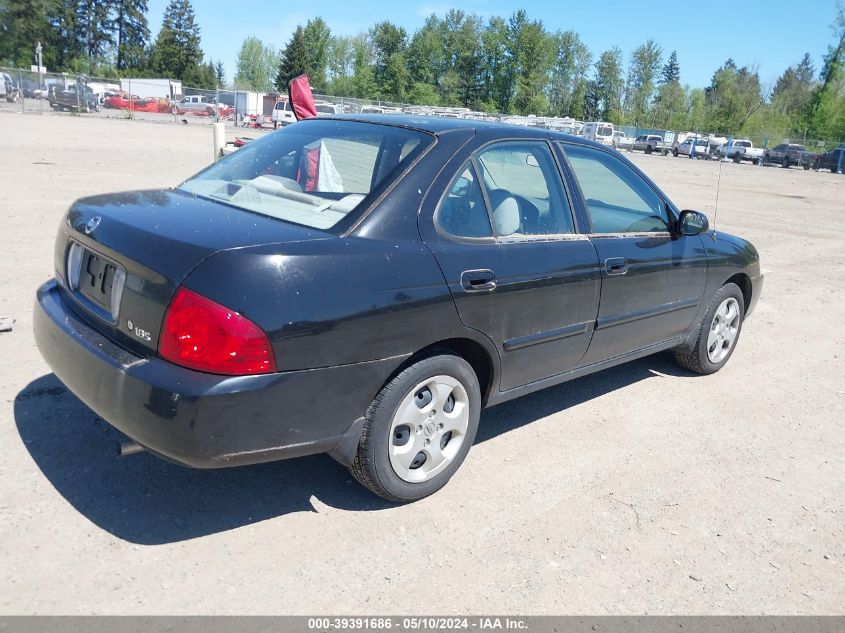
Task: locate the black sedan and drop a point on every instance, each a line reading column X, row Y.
column 365, row 286
column 834, row 160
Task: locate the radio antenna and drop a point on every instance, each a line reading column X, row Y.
column 718, row 184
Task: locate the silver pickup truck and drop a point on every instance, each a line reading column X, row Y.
column 650, row 143
column 741, row 149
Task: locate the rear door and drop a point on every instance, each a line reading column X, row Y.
column 652, row 279
column 500, row 224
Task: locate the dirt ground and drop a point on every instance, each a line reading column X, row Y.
column 640, row 490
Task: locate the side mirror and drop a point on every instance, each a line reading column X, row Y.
column 692, row 223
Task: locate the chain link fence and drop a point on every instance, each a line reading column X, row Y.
column 170, row 100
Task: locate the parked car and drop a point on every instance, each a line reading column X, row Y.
column 598, row 131
column 785, row 154
column 741, row 149
column 195, row 104
column 620, row 139
column 77, row 97
column 649, row 143
column 9, row 90
column 328, row 109
column 282, row 113
column 122, row 101
column 364, row 286
column 834, row 160
column 701, row 145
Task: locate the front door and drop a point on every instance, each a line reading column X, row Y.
column 504, row 236
column 652, row 278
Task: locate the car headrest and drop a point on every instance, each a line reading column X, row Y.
column 506, row 215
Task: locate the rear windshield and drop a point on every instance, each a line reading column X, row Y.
column 604, row 130
column 312, row 173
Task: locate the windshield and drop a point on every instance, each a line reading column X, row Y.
column 604, row 130
column 311, row 173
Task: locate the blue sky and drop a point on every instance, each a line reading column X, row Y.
column 771, row 34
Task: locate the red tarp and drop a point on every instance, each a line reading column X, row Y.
column 302, row 102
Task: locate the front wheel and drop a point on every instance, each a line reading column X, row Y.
column 419, row 429
column 737, row 158
column 785, row 163
column 755, row 161
column 718, row 333
column 675, row 152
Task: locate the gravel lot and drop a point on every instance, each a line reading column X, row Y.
column 643, row 489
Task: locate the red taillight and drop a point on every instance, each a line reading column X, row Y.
column 201, row 334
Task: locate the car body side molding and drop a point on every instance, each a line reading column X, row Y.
column 544, row 337
column 498, row 397
column 663, row 308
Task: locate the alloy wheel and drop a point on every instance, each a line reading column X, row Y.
column 723, row 330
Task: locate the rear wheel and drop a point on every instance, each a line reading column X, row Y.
column 737, row 158
column 755, row 161
column 648, row 149
column 675, row 152
column 785, row 163
column 419, row 429
column 718, row 333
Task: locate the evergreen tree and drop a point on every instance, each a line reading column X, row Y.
column 94, row 28
column 220, row 73
column 22, row 23
column 294, row 60
column 177, row 52
column 805, row 70
column 671, row 70
column 133, row 34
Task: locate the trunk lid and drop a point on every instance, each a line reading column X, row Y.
column 133, row 250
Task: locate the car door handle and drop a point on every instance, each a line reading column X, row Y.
column 478, row 280
column 616, row 265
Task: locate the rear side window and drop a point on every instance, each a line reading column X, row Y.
column 618, row 199
column 313, row 173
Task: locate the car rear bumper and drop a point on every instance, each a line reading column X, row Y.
column 204, row 420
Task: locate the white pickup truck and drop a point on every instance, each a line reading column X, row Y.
column 741, row 149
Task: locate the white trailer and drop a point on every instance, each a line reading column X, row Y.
column 146, row 87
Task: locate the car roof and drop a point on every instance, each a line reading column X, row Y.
column 440, row 125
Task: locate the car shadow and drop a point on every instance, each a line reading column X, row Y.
column 145, row 500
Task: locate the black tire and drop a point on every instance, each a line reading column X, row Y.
column 737, row 158
column 697, row 360
column 372, row 467
column 806, row 166
column 675, row 152
column 648, row 149
column 785, row 163
column 755, row 161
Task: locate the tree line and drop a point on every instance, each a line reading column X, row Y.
column 107, row 38
column 503, row 65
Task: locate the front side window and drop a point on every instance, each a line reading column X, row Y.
column 463, row 212
column 314, row 173
column 618, row 199
column 524, row 189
